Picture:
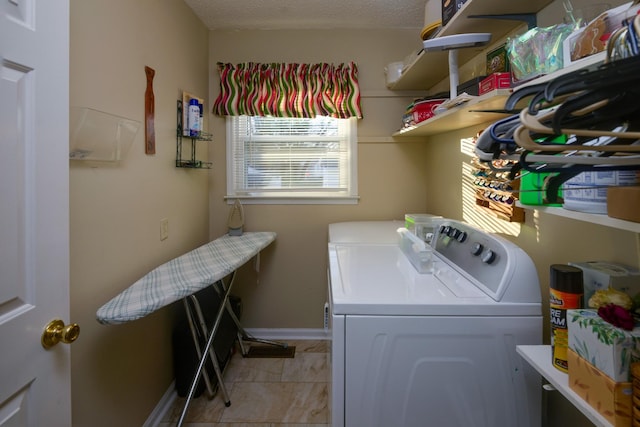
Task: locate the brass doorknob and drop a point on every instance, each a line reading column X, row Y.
column 56, row 332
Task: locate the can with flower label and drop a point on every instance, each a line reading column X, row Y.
column 566, row 292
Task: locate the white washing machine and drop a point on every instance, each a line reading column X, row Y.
column 435, row 349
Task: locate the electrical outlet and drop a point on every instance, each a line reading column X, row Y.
column 164, row 229
column 326, row 315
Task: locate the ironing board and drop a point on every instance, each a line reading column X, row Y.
column 181, row 278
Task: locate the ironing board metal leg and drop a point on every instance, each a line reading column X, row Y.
column 212, row 353
column 196, row 343
column 203, row 359
column 243, row 350
column 242, row 334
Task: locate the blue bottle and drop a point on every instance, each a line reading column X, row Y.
column 193, row 118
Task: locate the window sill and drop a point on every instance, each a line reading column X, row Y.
column 318, row 200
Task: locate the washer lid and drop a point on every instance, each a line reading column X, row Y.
column 378, row 279
column 365, row 232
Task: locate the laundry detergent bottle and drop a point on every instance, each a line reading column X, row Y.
column 566, row 292
column 193, row 118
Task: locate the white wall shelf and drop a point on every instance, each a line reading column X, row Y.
column 539, row 357
column 600, row 219
column 587, row 62
column 427, row 69
column 461, row 117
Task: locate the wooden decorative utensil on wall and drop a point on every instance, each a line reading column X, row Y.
column 149, row 110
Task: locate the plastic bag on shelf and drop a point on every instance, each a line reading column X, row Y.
column 537, row 52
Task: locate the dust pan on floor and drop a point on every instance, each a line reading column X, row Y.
column 267, row 351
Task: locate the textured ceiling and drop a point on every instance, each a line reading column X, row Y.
column 309, row 14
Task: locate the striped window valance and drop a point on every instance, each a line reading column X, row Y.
column 288, row 90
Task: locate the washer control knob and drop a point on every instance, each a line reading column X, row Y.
column 488, row 257
column 446, row 230
column 453, row 232
column 462, row 236
column 476, row 249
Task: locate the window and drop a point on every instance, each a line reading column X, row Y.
column 294, row 160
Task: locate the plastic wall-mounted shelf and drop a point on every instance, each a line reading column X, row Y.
column 98, row 136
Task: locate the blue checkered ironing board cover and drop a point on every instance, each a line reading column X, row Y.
column 184, row 276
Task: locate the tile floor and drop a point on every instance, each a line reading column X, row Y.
column 287, row 392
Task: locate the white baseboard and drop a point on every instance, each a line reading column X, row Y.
column 289, row 334
column 166, row 402
column 163, row 407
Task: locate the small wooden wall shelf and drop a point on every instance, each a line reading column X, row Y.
column 496, row 194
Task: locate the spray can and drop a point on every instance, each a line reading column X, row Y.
column 193, row 117
column 566, row 292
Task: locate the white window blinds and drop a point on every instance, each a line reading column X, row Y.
column 271, row 157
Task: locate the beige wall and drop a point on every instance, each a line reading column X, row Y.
column 391, row 176
column 120, row 372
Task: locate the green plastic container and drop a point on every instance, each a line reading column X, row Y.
column 532, row 189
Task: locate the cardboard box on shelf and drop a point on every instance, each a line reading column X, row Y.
column 607, row 347
column 471, row 87
column 624, row 203
column 449, row 8
column 424, row 110
column 495, row 81
column 613, row 400
column 497, row 61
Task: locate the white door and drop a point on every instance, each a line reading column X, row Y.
column 34, row 210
